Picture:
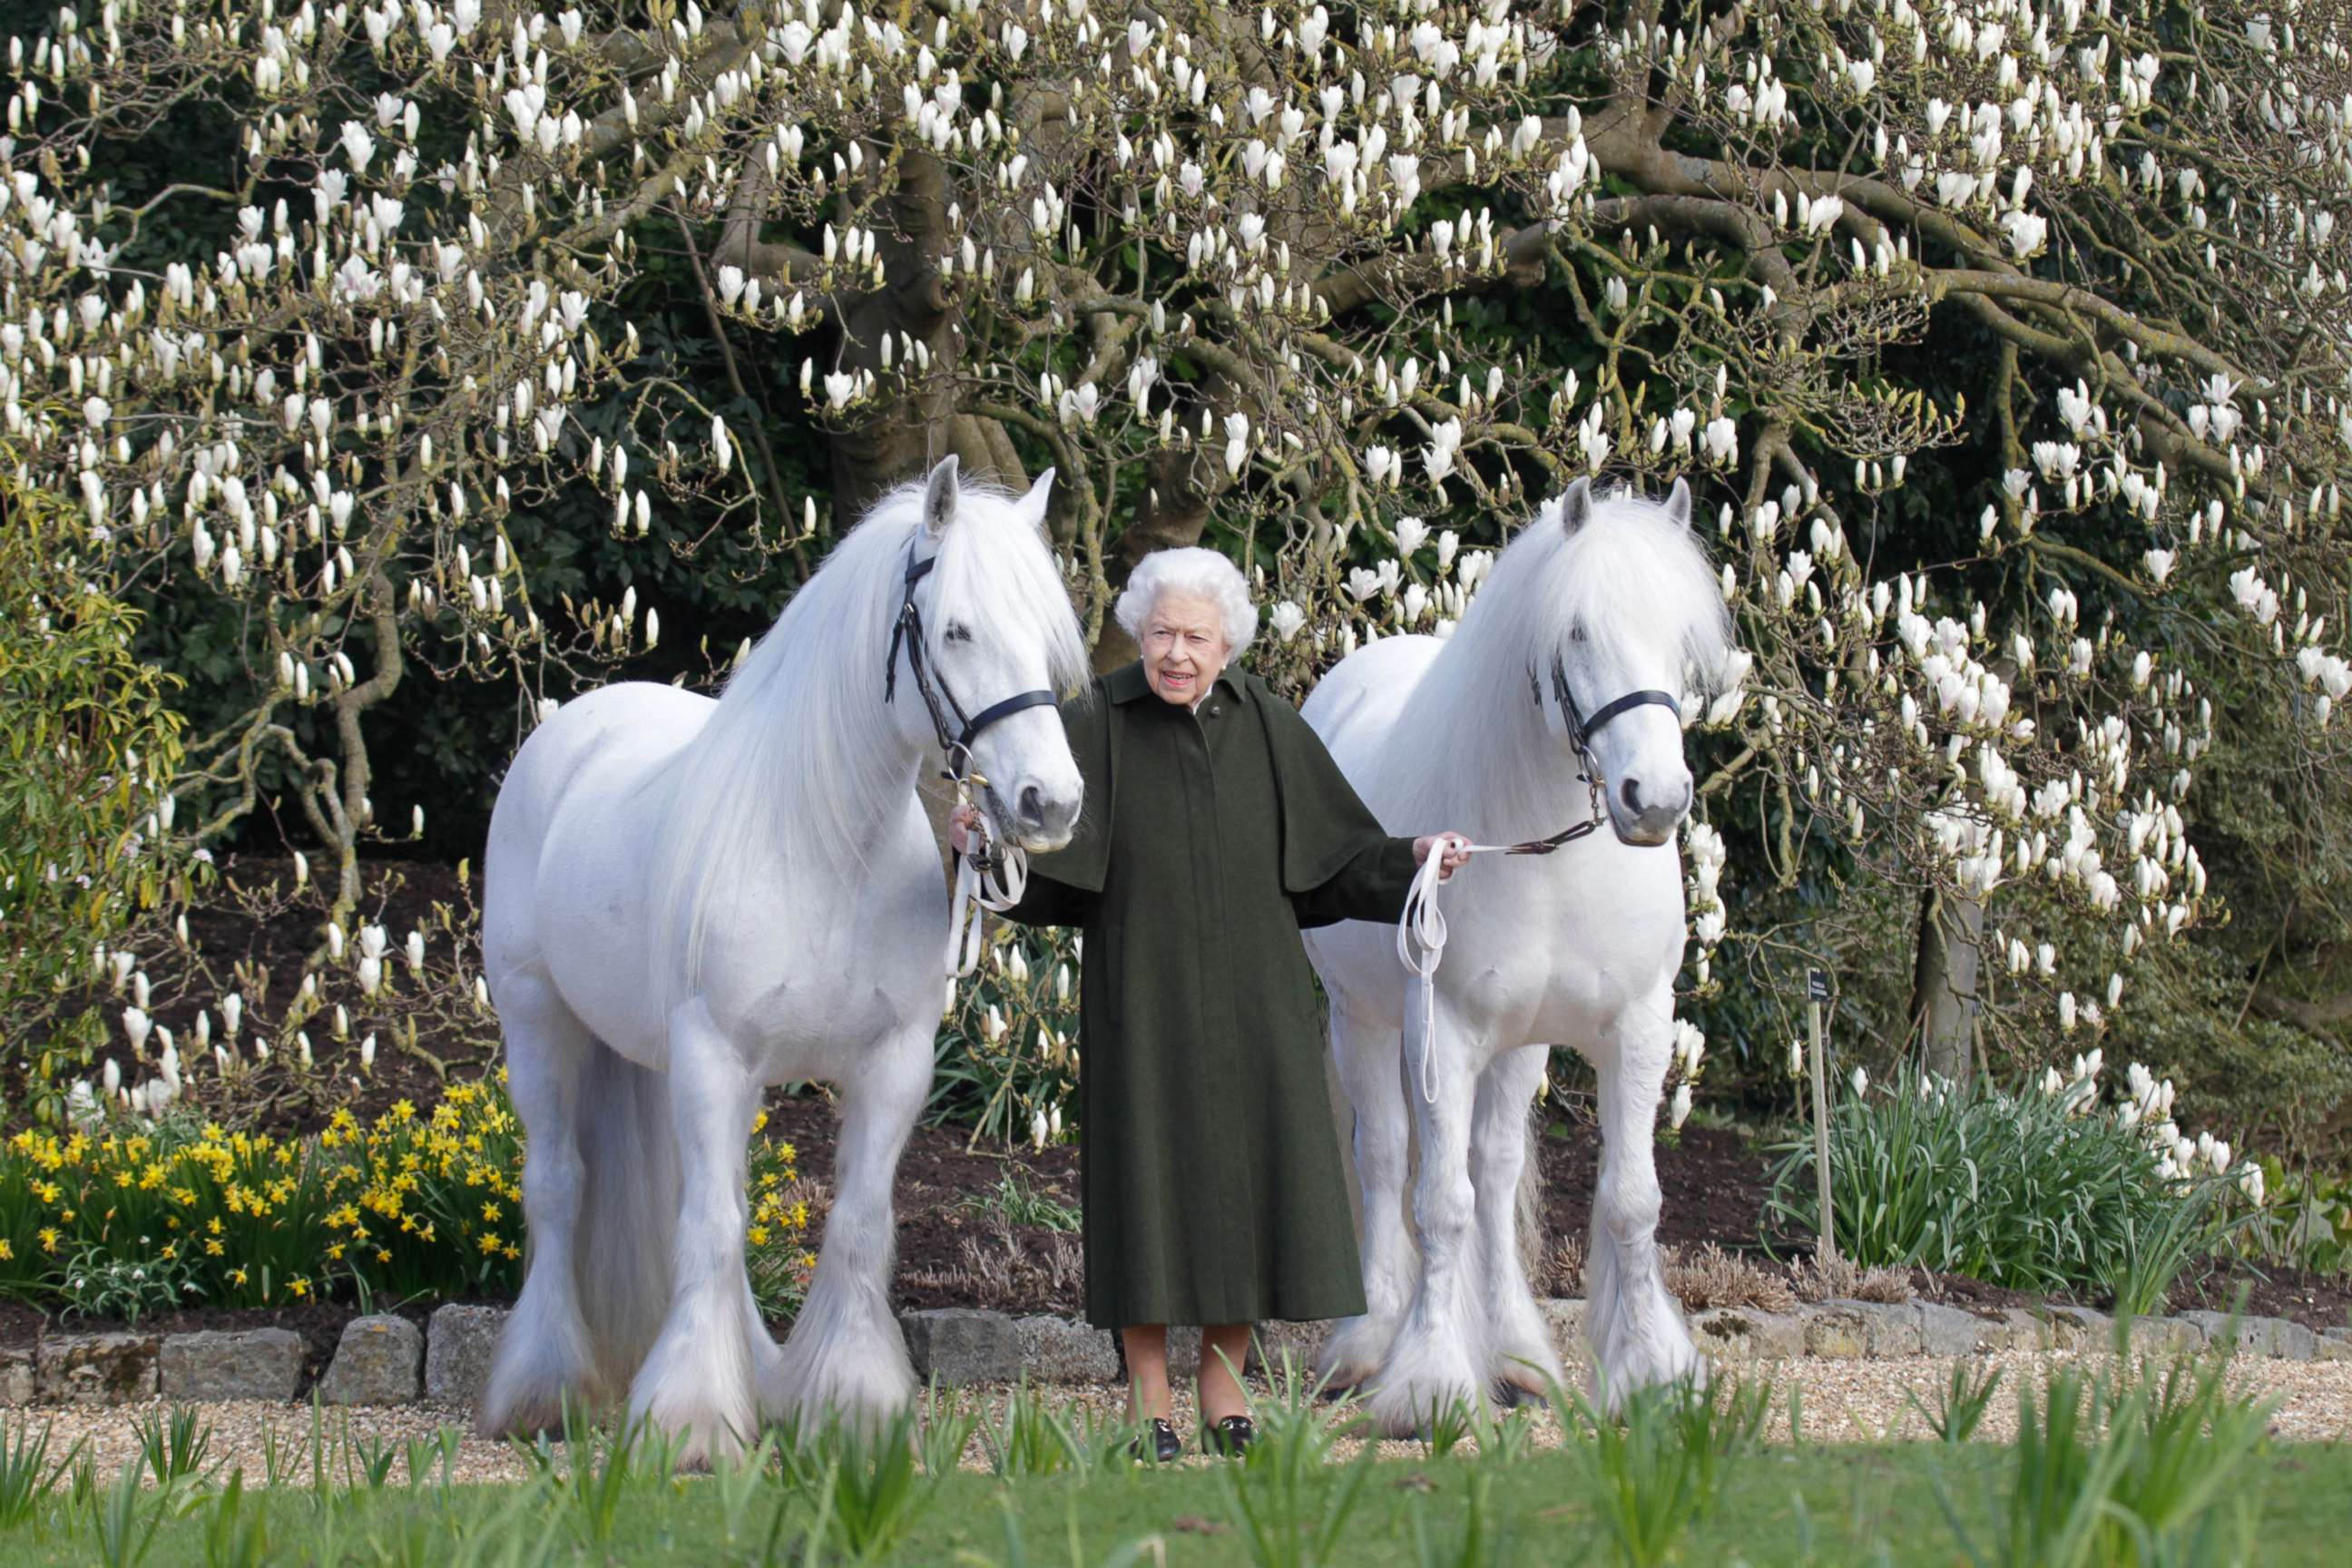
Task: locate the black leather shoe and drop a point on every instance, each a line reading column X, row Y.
column 1231, row 1436
column 1166, row 1447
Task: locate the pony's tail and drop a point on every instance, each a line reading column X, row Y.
column 586, row 1335
column 628, row 1209
column 1529, row 1202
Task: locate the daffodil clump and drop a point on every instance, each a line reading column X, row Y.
column 413, row 1204
column 429, row 1203
column 192, row 1211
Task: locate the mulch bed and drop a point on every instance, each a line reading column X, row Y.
column 954, row 1248
column 1713, row 1182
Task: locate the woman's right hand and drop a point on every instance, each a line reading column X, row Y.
column 960, row 821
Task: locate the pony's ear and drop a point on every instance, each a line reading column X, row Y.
column 1033, row 505
column 940, row 493
column 1679, row 504
column 1576, row 506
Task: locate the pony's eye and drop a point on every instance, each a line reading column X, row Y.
column 956, row 632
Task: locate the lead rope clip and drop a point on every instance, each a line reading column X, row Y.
column 991, row 880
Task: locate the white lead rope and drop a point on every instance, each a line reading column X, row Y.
column 1422, row 925
column 975, row 890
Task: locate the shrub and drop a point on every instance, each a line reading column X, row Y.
column 115, row 1220
column 2039, row 1190
column 87, row 746
column 1714, row 1277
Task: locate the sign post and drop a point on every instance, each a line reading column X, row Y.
column 1817, row 995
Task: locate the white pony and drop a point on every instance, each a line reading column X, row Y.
column 1570, row 662
column 686, row 900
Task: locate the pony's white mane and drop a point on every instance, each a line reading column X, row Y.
column 801, row 759
column 1633, row 577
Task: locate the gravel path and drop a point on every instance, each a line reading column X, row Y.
column 1844, row 1401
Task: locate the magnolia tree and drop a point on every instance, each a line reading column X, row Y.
column 1237, row 271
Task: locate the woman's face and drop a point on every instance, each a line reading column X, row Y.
column 1184, row 646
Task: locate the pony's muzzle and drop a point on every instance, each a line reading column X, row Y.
column 1043, row 820
column 1645, row 813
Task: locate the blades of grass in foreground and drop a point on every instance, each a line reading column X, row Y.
column 27, row 1477
column 595, row 1482
column 865, row 1480
column 2124, row 1467
column 1289, row 1508
column 1654, row 1467
column 736, row 1482
column 945, row 1432
column 174, row 1443
column 125, row 1516
column 1128, row 1554
column 1487, row 1540
column 235, row 1536
column 1960, row 1404
column 1029, row 1440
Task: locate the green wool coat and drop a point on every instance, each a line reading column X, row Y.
column 1211, row 1165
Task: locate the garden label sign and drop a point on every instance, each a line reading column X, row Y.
column 1817, row 995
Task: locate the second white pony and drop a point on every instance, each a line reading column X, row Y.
column 1565, row 677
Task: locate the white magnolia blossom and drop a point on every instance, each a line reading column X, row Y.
column 1284, row 173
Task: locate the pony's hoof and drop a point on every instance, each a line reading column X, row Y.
column 1411, row 1408
column 1687, row 1368
column 1512, row 1396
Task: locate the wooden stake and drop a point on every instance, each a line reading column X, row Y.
column 1817, row 994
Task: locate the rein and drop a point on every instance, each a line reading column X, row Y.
column 1422, row 925
column 994, row 877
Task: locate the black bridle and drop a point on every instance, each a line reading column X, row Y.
column 1580, row 731
column 956, row 729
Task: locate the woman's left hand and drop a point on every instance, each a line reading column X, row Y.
column 1457, row 853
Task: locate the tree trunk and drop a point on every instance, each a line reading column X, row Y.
column 1944, row 983
column 902, row 438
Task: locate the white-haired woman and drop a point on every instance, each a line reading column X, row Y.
column 1216, row 826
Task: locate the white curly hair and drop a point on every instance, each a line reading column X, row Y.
column 1199, row 574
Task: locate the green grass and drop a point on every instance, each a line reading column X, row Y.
column 1772, row 1505
column 2116, row 1466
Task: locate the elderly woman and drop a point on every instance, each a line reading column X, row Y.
column 1216, row 826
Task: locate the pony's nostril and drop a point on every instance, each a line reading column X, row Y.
column 1032, row 805
column 1630, row 793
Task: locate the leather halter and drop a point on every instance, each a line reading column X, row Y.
column 1580, row 731
column 955, row 739
column 1581, row 728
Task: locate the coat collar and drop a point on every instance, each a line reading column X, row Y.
column 1128, row 682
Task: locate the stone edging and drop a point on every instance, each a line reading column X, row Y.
column 386, row 1360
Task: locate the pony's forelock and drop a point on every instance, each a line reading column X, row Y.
column 1630, row 538
column 1633, row 574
